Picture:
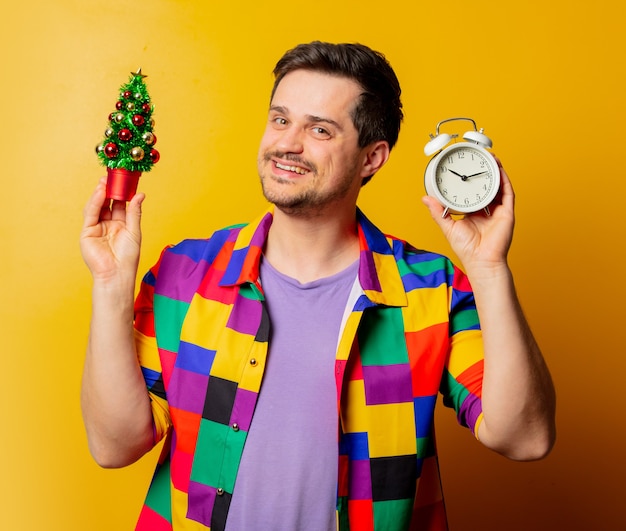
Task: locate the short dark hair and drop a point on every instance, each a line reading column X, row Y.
column 378, row 114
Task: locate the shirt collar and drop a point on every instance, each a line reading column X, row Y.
column 379, row 276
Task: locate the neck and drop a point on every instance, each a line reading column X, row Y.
column 311, row 247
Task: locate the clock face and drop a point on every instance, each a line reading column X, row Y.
column 466, row 177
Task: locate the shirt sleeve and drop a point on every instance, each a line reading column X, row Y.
column 461, row 384
column 148, row 353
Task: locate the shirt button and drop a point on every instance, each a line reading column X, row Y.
column 235, row 427
column 220, row 492
column 253, row 362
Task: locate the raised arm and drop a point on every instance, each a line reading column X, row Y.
column 518, row 396
column 115, row 404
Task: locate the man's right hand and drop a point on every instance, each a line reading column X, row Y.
column 110, row 240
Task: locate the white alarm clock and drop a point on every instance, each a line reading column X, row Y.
column 464, row 177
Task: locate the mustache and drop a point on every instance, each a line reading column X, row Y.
column 291, row 157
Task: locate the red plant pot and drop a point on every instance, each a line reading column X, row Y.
column 122, row 184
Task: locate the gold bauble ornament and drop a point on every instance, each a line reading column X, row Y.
column 137, row 154
column 148, row 138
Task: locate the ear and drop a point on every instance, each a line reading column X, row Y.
column 376, row 155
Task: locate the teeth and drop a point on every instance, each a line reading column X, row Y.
column 294, row 169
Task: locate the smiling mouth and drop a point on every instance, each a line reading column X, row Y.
column 294, row 169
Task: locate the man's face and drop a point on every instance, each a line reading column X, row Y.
column 309, row 157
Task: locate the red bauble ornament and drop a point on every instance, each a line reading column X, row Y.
column 138, row 120
column 146, row 107
column 111, row 150
column 127, row 94
column 119, row 105
column 154, row 156
column 125, row 135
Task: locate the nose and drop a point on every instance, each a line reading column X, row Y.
column 291, row 140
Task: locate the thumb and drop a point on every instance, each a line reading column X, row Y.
column 133, row 214
column 436, row 212
column 435, row 209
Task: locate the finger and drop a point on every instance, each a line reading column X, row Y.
column 133, row 214
column 118, row 210
column 96, row 206
column 506, row 188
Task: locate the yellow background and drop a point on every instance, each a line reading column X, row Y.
column 545, row 79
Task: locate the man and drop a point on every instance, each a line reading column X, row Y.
column 293, row 364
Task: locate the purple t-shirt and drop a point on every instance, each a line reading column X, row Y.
column 287, row 480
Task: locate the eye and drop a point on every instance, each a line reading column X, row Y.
column 279, row 120
column 321, row 132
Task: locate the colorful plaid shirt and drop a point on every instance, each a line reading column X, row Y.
column 202, row 334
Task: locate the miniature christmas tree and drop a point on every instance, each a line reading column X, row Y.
column 127, row 149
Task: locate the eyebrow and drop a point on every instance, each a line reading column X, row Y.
column 310, row 117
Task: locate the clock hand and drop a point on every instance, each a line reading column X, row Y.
column 475, row 174
column 463, row 178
